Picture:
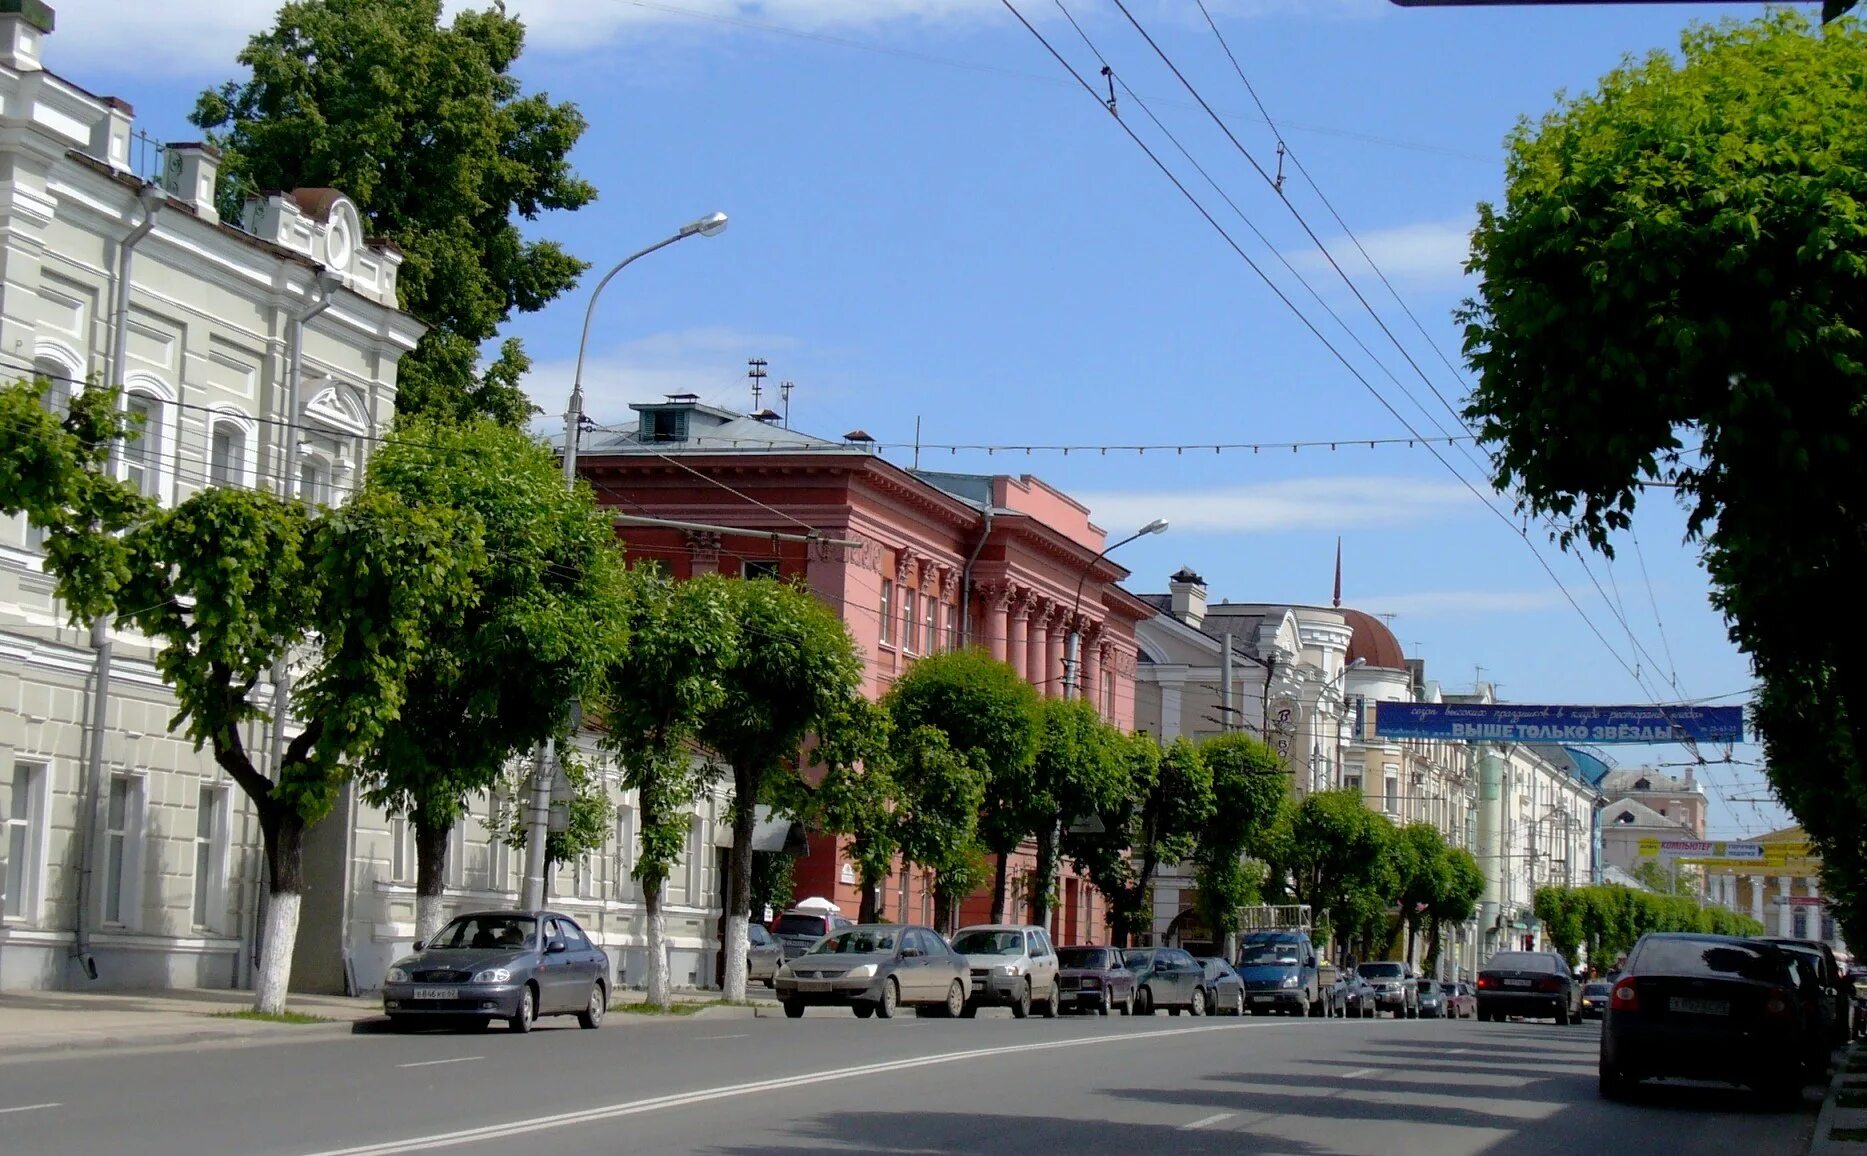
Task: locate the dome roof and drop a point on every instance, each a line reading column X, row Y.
column 1373, row 641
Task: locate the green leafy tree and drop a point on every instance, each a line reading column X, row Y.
column 1457, row 901
column 858, row 795
column 1156, row 820
column 547, row 614
column 1078, row 772
column 1422, row 867
column 424, row 126
column 657, row 691
column 586, row 812
column 1342, row 862
column 1608, row 920
column 1670, row 298
column 937, row 816
column 793, row 674
column 1661, row 879
column 1249, row 785
column 992, row 718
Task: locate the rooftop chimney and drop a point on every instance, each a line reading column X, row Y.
column 190, row 172
column 1189, row 596
column 23, row 25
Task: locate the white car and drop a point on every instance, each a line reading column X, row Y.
column 1012, row 965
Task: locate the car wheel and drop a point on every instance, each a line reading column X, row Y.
column 793, row 1009
column 970, row 1011
column 1106, row 1005
column 528, row 1010
column 1127, row 1004
column 1051, row 1003
column 1238, row 1003
column 955, row 1000
column 1612, row 1084
column 1562, row 1016
column 1144, row 1002
column 1022, row 1007
column 1198, row 1006
column 863, row 1010
column 591, row 1017
column 891, row 1000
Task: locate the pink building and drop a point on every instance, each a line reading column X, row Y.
column 945, row 560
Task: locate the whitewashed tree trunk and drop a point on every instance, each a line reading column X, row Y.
column 659, row 992
column 275, row 955
column 736, row 947
column 430, row 914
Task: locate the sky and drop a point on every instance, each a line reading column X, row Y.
column 934, row 226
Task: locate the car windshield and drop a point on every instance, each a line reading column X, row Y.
column 1449, row 988
column 1597, row 989
column 1428, row 987
column 1082, row 957
column 985, row 942
column 1261, row 954
column 1379, row 970
column 1709, row 957
column 1139, row 960
column 800, row 925
column 486, row 932
column 858, row 941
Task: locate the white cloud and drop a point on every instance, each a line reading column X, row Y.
column 1427, row 254
column 710, row 362
column 1296, row 504
column 1459, row 603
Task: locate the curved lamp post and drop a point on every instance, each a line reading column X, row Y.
column 1072, row 662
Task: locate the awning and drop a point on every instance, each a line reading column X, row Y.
column 770, row 833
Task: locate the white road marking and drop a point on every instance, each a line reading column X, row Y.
column 739, row 1036
column 528, row 1125
column 1359, row 1072
column 28, row 1108
column 1458, row 1051
column 432, row 1063
column 1212, row 1119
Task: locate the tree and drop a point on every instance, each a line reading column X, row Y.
column 587, row 811
column 1249, row 785
column 937, row 815
column 426, row 129
column 858, row 795
column 226, row 584
column 1077, row 772
column 794, row 672
column 1608, row 920
column 1422, row 867
column 1464, row 884
column 991, row 717
column 1341, row 859
column 683, row 637
column 547, row 614
column 1155, row 820
column 1670, row 298
column 1663, row 880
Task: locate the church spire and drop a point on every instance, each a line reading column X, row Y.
column 1338, row 573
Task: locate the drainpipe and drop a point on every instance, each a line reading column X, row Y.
column 1225, row 695
column 965, row 581
column 151, row 198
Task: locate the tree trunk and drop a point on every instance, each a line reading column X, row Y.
column 430, row 873
column 870, row 910
column 943, row 908
column 739, row 886
column 284, row 834
column 659, row 992
column 1000, row 871
column 1432, row 945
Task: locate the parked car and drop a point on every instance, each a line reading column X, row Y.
column 1838, row 988
column 1225, row 991
column 1166, row 977
column 876, row 969
column 1279, row 973
column 1529, row 983
column 1704, row 1007
column 798, row 931
column 1095, row 979
column 1595, row 999
column 510, row 965
column 1332, row 989
column 1432, row 1002
column 1818, row 1009
column 1461, row 1002
column 1358, row 997
column 1011, row 966
column 1394, row 987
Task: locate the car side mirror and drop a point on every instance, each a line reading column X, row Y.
column 419, row 944
column 1310, row 962
column 556, row 947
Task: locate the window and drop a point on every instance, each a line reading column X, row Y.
column 888, row 612
column 696, row 863
column 952, row 626
column 399, row 857
column 25, row 839
column 1392, row 800
column 455, row 874
column 910, row 622
column 122, row 849
column 625, row 852
column 1351, row 782
column 760, row 568
column 582, row 875
column 498, row 854
column 1108, row 695
column 209, row 857
column 227, row 455
column 1799, row 923
column 313, row 487
column 142, row 447
column 572, row 935
column 933, row 625
column 57, row 382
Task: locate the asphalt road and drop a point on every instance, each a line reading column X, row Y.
column 736, row 1087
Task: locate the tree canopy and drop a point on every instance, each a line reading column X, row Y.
column 1608, row 920
column 424, row 126
column 1249, row 785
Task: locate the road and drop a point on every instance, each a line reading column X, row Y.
column 738, row 1087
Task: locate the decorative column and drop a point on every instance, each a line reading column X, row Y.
column 1089, row 665
column 703, row 548
column 1785, row 887
column 994, row 618
column 1817, row 925
column 1037, row 645
column 1061, row 625
column 1757, row 883
column 1016, row 651
column 945, row 583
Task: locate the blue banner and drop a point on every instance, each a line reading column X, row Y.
column 1511, row 723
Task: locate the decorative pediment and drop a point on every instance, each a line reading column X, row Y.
column 340, row 408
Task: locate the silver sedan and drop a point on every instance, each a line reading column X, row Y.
column 876, row 970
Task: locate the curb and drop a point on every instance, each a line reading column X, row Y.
column 1819, row 1143
column 729, row 1012
column 179, row 1036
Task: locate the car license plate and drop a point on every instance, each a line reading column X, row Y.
column 1516, row 983
column 1700, row 1007
column 813, row 985
column 1262, row 998
column 435, row 993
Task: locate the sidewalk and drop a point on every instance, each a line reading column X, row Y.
column 1841, row 1129
column 46, row 1022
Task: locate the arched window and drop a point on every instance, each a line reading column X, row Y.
column 313, row 483
column 226, row 454
column 142, row 449
column 57, row 378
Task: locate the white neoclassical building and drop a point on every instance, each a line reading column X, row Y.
column 111, row 247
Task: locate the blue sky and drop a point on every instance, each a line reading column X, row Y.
column 929, row 219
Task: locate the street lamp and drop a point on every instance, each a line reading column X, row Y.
column 538, row 825
column 711, row 225
column 1072, row 661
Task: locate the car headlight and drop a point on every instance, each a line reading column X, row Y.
column 493, row 975
column 396, row 975
column 862, row 971
column 1011, row 969
column 1290, row 981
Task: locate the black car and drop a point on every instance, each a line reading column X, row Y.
column 1818, row 1008
column 1838, row 987
column 1595, row 999
column 510, row 965
column 1705, row 1007
column 1534, row 984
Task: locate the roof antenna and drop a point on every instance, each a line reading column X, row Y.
column 784, row 391
column 1109, row 74
column 755, row 369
